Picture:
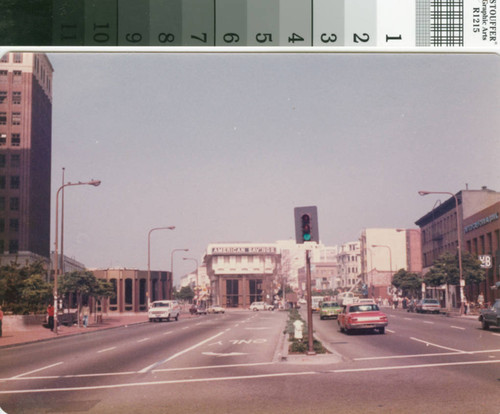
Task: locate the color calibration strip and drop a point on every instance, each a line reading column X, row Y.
column 290, row 23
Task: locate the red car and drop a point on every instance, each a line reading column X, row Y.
column 362, row 316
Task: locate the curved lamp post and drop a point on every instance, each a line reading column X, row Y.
column 148, row 291
column 459, row 238
column 94, row 183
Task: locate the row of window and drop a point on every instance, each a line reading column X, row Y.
column 238, row 259
column 16, row 58
column 15, row 160
column 17, row 75
column 16, row 97
column 15, row 139
column 15, row 182
column 13, row 225
column 15, row 118
column 14, row 203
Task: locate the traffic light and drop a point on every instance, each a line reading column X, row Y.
column 306, row 224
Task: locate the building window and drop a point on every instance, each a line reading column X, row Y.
column 18, row 58
column 2, row 203
column 2, row 182
column 14, row 225
column 17, row 73
column 13, row 246
column 2, row 161
column 15, row 182
column 3, row 118
column 2, row 229
column 3, row 96
column 16, row 118
column 3, row 141
column 14, row 204
column 16, row 140
column 16, row 98
column 15, row 161
column 5, row 58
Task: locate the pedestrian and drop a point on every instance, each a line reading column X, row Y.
column 1, row 320
column 50, row 313
column 466, row 306
column 85, row 315
column 480, row 300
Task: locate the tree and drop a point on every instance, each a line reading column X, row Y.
column 186, row 293
column 445, row 270
column 81, row 283
column 23, row 289
column 410, row 283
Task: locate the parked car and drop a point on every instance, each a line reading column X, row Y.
column 491, row 316
column 362, row 316
column 428, row 305
column 329, row 310
column 164, row 309
column 256, row 306
column 216, row 309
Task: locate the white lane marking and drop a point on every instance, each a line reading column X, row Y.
column 224, row 355
column 408, row 319
column 186, row 327
column 106, row 349
column 495, row 334
column 390, row 330
column 113, row 374
column 168, row 333
column 457, row 327
column 181, row 352
column 438, row 346
column 429, row 323
column 443, row 364
column 425, row 355
column 143, row 340
column 39, row 369
column 184, row 381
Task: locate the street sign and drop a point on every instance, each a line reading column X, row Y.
column 486, row 261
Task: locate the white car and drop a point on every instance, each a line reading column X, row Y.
column 164, row 309
column 256, row 306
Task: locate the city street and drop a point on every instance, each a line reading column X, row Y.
column 232, row 363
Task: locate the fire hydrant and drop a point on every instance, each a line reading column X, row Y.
column 299, row 326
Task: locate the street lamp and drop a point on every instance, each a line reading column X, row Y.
column 459, row 239
column 172, row 261
column 189, row 258
column 95, row 183
column 148, row 293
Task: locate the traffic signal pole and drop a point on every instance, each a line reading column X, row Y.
column 309, row 306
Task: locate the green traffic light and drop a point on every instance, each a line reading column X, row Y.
column 307, row 237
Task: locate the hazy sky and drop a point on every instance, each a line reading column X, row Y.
column 224, row 146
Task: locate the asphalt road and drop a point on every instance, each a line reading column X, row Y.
column 230, row 363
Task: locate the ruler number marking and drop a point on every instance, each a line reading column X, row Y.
column 361, row 38
column 328, row 38
column 231, row 38
column 264, row 37
column 202, row 39
column 295, row 38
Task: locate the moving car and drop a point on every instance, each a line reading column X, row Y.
column 329, row 310
column 490, row 317
column 256, row 306
column 362, row 316
column 164, row 309
column 428, row 305
column 216, row 309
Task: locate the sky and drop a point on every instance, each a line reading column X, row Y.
column 224, row 146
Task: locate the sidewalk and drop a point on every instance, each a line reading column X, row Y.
column 38, row 333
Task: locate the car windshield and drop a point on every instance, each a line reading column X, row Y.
column 364, row 308
column 161, row 305
column 329, row 304
column 432, row 301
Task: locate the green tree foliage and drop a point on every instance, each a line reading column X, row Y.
column 81, row 283
column 410, row 283
column 445, row 270
column 186, row 293
column 23, row 289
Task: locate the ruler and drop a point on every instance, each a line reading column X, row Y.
column 378, row 24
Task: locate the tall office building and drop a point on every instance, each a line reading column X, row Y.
column 25, row 156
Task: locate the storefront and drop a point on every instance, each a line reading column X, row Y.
column 242, row 273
